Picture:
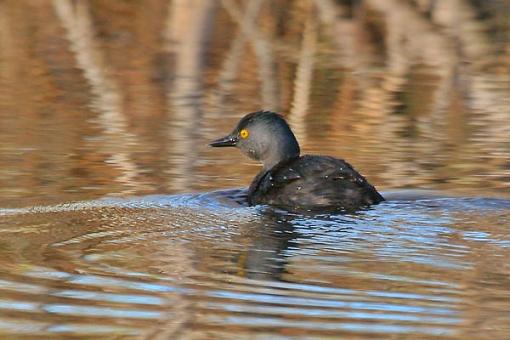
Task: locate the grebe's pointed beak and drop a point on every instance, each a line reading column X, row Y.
column 224, row 142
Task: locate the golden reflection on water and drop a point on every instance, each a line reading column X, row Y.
column 119, row 98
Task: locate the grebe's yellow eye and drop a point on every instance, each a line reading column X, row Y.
column 244, row 133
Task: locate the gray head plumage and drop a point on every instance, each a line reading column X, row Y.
column 264, row 136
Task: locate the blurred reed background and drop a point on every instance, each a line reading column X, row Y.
column 120, row 97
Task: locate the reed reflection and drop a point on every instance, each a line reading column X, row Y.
column 424, row 84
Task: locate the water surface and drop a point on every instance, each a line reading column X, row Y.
column 195, row 265
column 116, row 219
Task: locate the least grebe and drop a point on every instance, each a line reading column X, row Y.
column 291, row 181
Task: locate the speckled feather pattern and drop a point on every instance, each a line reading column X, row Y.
column 313, row 183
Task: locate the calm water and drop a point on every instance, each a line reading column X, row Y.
column 117, row 221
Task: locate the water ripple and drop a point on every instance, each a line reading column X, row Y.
column 129, row 266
